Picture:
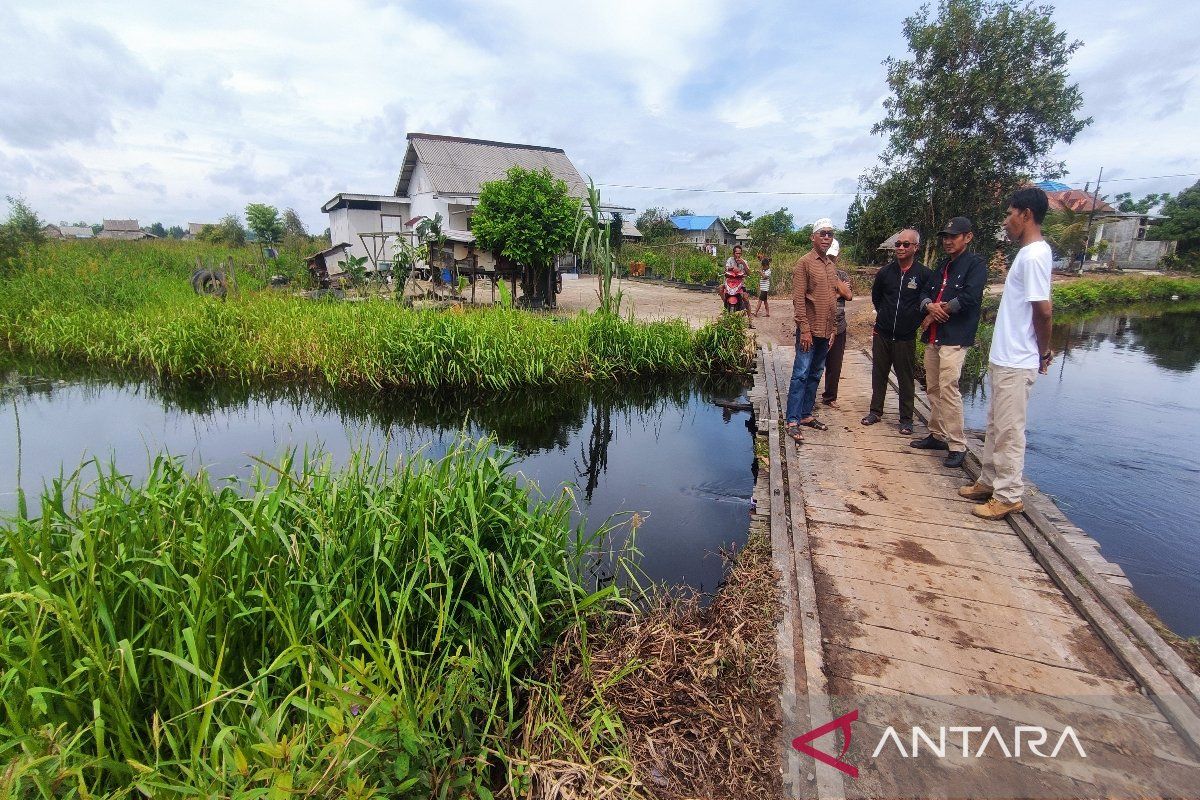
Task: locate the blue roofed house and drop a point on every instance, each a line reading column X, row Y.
column 700, row 230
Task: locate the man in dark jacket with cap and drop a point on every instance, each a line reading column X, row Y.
column 896, row 294
column 952, row 305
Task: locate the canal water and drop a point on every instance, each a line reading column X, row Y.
column 1114, row 436
column 665, row 453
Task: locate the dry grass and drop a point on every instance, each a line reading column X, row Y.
column 689, row 695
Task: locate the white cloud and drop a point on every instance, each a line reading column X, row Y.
column 191, row 114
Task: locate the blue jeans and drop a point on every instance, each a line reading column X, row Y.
column 806, row 374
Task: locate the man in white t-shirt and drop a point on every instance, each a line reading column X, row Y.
column 1020, row 350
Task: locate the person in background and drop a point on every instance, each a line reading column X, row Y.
column 734, row 297
column 896, row 295
column 1020, row 351
column 814, row 298
column 764, row 287
column 952, row 305
column 837, row 348
column 736, row 261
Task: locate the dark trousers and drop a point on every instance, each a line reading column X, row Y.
column 833, row 366
column 887, row 355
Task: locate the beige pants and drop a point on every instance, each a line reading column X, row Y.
column 1004, row 450
column 943, row 366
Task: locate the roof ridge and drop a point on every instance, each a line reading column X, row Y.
column 439, row 137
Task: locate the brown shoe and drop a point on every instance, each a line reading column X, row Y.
column 997, row 509
column 976, row 491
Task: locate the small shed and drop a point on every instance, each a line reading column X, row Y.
column 629, row 231
column 327, row 264
column 889, row 244
column 127, row 229
column 742, row 235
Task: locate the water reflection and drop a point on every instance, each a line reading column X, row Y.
column 660, row 449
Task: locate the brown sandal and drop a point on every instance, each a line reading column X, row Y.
column 793, row 430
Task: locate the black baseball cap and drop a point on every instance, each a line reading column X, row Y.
column 956, row 226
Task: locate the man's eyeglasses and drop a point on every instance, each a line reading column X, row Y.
column 825, row 233
column 906, row 244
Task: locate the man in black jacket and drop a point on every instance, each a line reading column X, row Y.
column 952, row 304
column 896, row 294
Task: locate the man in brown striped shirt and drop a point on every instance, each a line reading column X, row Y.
column 814, row 296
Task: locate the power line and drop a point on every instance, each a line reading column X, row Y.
column 724, row 191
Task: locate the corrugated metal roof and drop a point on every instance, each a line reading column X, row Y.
column 693, row 222
column 121, row 225
column 75, row 231
column 630, row 230
column 460, row 166
column 1052, row 186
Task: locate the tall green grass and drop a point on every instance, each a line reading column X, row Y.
column 349, row 633
column 1085, row 294
column 122, row 308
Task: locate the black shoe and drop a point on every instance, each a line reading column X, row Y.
column 955, row 459
column 930, row 442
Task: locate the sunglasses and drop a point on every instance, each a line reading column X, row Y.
column 824, row 233
column 906, row 244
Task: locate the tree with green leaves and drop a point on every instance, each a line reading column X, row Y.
column 1126, row 203
column 769, row 231
column 229, row 231
column 655, row 225
column 264, row 222
column 975, row 110
column 1066, row 230
column 21, row 230
column 529, row 217
column 739, row 219
column 157, row 229
column 293, row 226
column 175, row 232
column 1182, row 223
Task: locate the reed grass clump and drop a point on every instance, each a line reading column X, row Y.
column 1085, row 294
column 353, row 633
column 107, row 308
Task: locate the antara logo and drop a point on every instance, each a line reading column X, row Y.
column 952, row 741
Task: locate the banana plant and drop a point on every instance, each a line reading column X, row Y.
column 593, row 242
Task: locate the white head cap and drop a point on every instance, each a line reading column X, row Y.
column 834, row 249
column 822, row 224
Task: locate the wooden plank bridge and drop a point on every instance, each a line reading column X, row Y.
column 903, row 607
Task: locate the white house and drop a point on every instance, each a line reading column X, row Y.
column 439, row 175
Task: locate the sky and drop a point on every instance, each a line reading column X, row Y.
column 182, row 113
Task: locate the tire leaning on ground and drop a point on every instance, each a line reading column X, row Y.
column 208, row 281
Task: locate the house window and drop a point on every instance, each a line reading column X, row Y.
column 1143, row 226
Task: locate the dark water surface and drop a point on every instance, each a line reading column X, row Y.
column 664, row 452
column 1114, row 435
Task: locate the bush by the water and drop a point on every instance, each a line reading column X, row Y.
column 132, row 308
column 1084, row 294
column 361, row 632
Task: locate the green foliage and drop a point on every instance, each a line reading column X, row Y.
column 1126, row 203
column 1183, row 220
column 293, row 226
column 529, row 217
column 655, row 225
column 976, row 109
column 175, row 232
column 739, row 219
column 594, row 245
column 369, row 631
column 769, row 231
column 21, row 231
column 229, row 231
column 679, row 261
column 264, row 222
column 1082, row 295
column 857, row 250
column 158, row 230
column 1066, row 230
column 128, row 305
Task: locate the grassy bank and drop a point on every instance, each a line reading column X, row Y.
column 353, row 633
column 129, row 308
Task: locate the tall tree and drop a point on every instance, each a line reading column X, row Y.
column 22, row 229
column 176, row 232
column 528, row 217
column 229, row 231
column 739, row 219
column 655, row 224
column 1182, row 223
column 293, row 226
column 157, row 229
column 1125, row 202
column 769, row 231
column 976, row 109
column 263, row 221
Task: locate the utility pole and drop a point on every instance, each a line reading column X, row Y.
column 1087, row 236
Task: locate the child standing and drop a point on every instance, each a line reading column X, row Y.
column 764, row 287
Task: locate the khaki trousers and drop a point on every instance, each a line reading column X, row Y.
column 943, row 366
column 1004, row 450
